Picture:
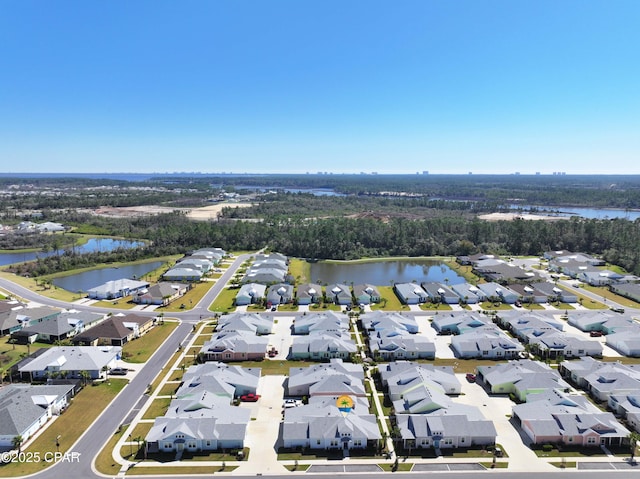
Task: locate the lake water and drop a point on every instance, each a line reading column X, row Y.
column 384, row 273
column 91, row 246
column 589, row 213
column 89, row 279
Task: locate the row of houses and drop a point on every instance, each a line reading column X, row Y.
column 244, row 337
column 195, row 265
column 305, row 294
column 546, row 336
column 85, row 328
column 394, row 336
column 549, row 412
column 267, row 269
column 621, row 330
column 534, row 292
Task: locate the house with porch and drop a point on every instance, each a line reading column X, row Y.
column 366, row 294
column 555, row 417
column 309, row 293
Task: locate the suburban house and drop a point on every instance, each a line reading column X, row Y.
column 24, row 409
column 239, row 345
column 201, row 264
column 459, row 323
column 64, row 326
column 324, row 321
column 555, row 293
column 219, row 378
column 486, row 343
column 320, row 345
column 503, row 272
column 449, row 429
column 474, row 258
column 627, row 407
column 239, row 337
column 601, row 277
column 250, row 293
column 117, row 289
column 602, row 379
column 326, row 425
column 529, row 294
column 551, row 343
column 339, row 294
column 254, row 323
column 309, row 293
column 627, row 290
column 160, row 294
column 337, row 415
column 178, row 273
column 410, row 293
column 69, row 362
column 201, row 417
column 439, row 293
column 425, row 414
column 468, row 293
column 18, row 317
column 302, row 379
column 399, row 344
column 366, row 294
column 267, row 269
column 555, row 417
column 571, row 267
column 495, row 291
column 279, row 293
column 626, row 341
column 520, row 378
column 386, row 320
column 115, row 331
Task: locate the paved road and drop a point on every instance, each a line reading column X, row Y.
column 92, row 441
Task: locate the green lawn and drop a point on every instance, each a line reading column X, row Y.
column 274, row 367
column 435, row 307
column 190, row 299
column 10, row 354
column 390, row 301
column 141, row 349
column 300, row 269
column 86, row 406
column 605, row 293
column 158, row 407
column 224, row 302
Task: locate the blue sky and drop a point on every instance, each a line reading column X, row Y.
column 306, row 86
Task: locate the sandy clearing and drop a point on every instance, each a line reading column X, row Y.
column 512, row 216
column 211, row 211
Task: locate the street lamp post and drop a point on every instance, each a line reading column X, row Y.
column 58, row 442
column 130, row 446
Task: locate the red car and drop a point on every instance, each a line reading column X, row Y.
column 471, row 377
column 249, row 397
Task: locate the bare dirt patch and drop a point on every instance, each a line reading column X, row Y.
column 205, row 213
column 513, row 216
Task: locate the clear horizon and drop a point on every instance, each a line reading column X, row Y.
column 488, row 87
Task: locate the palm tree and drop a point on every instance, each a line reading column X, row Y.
column 16, row 442
column 633, row 437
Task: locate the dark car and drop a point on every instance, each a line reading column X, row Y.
column 471, row 377
column 118, row 371
column 595, row 334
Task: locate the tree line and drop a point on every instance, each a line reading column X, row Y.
column 616, row 240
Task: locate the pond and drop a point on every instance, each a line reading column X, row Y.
column 384, row 273
column 584, row 212
column 90, row 279
column 92, row 246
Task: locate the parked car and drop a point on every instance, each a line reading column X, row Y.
column 471, row 377
column 617, row 310
column 118, row 371
column 249, row 397
column 595, row 334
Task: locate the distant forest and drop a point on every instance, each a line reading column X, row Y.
column 373, row 220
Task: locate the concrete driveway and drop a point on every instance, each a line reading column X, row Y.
column 263, row 430
column 498, row 410
column 281, row 338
